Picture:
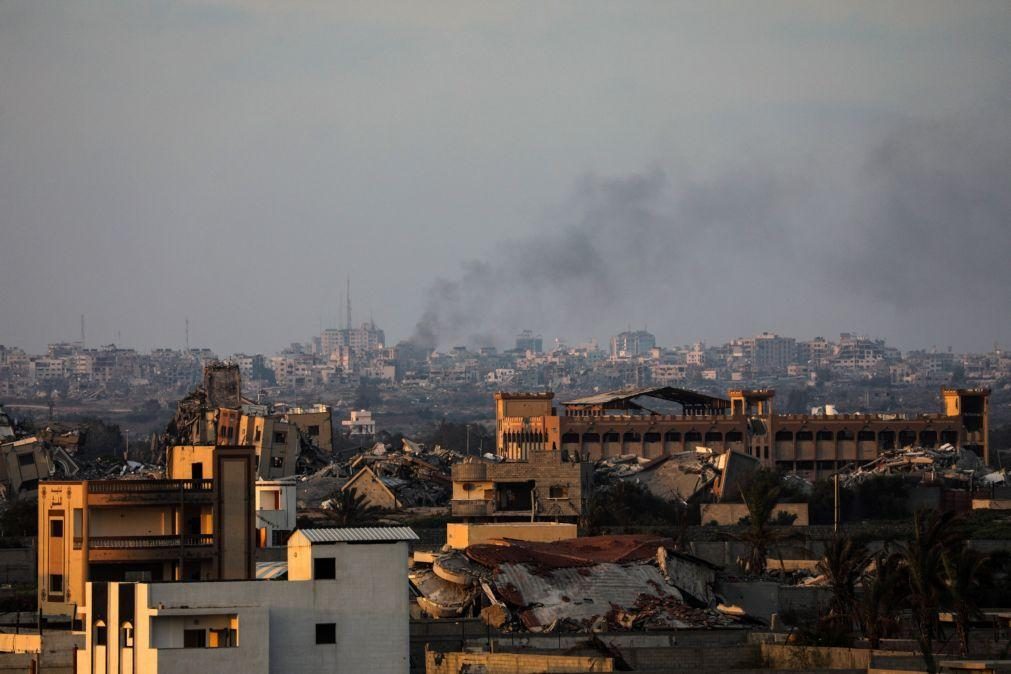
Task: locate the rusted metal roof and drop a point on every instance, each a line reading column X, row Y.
column 574, row 552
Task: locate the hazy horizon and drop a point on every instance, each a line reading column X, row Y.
column 707, row 170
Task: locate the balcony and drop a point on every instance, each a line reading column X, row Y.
column 137, row 548
column 153, row 492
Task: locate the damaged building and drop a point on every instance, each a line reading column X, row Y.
column 651, row 422
column 592, row 584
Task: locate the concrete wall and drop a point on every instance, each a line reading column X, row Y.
column 731, row 513
column 459, row 536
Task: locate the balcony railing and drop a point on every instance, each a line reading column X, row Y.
column 147, row 542
column 148, row 486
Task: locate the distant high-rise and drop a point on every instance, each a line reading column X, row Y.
column 631, row 344
column 528, row 341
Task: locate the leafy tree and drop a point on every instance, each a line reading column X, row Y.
column 881, row 497
column 627, row 503
column 843, row 565
column 350, row 509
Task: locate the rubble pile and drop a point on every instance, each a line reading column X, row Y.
column 597, row 583
column 944, row 462
column 417, row 476
column 685, row 476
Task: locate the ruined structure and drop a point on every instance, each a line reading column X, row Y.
column 652, row 422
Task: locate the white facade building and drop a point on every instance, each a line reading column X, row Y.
column 344, row 608
column 276, row 511
column 360, row 423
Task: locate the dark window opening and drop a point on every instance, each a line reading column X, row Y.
column 280, row 437
column 277, row 461
column 197, row 471
column 326, row 633
column 194, row 639
column 313, row 431
column 558, row 491
column 324, row 568
column 56, row 528
column 27, row 459
column 611, row 437
column 56, row 583
column 515, row 495
column 100, row 635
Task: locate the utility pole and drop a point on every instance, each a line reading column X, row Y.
column 126, row 449
column 187, row 334
column 835, row 519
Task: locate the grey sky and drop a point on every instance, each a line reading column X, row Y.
column 709, row 169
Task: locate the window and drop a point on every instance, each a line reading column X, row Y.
column 56, row 583
column 279, row 537
column 314, row 431
column 56, row 528
column 100, row 637
column 27, row 459
column 280, row 437
column 126, row 635
column 326, row 633
column 558, row 491
column 194, row 639
column 277, row 461
column 324, row 568
column 257, row 436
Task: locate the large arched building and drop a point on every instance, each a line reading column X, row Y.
column 650, row 422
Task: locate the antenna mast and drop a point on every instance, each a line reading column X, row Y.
column 348, row 323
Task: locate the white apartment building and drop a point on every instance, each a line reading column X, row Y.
column 276, row 511
column 344, row 608
column 360, row 423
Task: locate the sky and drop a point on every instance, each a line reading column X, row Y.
column 704, row 170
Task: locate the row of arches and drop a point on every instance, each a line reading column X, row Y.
column 887, row 439
column 653, row 436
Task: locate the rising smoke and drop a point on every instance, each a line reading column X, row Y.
column 912, row 236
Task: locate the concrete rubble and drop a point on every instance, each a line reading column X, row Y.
column 944, row 462
column 419, row 477
column 597, row 583
column 686, row 477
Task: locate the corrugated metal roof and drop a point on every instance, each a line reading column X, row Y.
column 271, row 570
column 360, row 534
column 677, row 395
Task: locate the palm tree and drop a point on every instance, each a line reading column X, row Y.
column 760, row 495
column 348, row 508
column 965, row 572
column 843, row 565
column 922, row 557
column 881, row 594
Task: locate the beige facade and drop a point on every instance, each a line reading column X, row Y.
column 197, row 524
column 22, row 464
column 459, row 535
column 376, row 493
column 543, row 486
column 276, row 444
column 315, row 424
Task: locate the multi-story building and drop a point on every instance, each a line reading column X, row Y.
column 528, row 341
column 198, row 524
column 631, row 422
column 343, row 608
column 315, row 423
column 632, row 344
column 276, row 511
column 361, row 423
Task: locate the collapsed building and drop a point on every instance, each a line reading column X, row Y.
column 216, row 413
column 591, row 584
column 656, row 421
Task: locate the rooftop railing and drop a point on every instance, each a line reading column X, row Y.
column 147, row 542
column 148, row 486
